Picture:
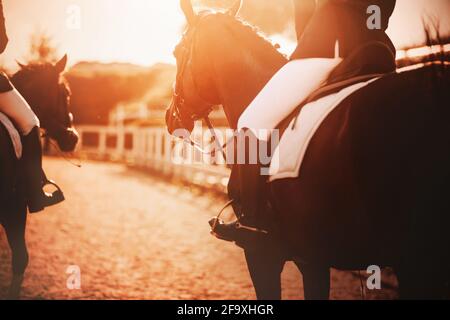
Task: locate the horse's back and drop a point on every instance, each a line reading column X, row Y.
column 367, row 169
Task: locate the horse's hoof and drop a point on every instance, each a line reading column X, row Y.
column 15, row 287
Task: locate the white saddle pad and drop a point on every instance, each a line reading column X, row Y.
column 13, row 133
column 289, row 155
column 289, row 87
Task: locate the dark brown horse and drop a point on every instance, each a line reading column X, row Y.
column 48, row 95
column 374, row 186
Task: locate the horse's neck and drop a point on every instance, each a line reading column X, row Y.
column 240, row 79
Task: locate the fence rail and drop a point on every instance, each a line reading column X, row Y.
column 154, row 149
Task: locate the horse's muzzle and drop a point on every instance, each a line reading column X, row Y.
column 175, row 123
column 68, row 140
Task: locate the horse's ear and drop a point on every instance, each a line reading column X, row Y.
column 60, row 66
column 21, row 65
column 234, row 10
column 186, row 6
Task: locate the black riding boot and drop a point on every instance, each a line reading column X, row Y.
column 34, row 177
column 252, row 209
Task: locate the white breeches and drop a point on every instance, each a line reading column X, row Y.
column 288, row 88
column 18, row 110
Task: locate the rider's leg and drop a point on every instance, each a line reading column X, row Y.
column 287, row 89
column 282, row 94
column 34, row 177
column 250, row 191
column 17, row 109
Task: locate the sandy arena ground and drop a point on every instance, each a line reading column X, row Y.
column 138, row 237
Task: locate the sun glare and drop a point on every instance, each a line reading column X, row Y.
column 140, row 31
column 143, row 32
column 129, row 32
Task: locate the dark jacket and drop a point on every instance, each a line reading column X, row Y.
column 360, row 8
column 342, row 20
column 3, row 35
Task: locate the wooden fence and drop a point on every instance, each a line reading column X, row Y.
column 154, row 149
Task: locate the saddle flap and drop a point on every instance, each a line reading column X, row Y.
column 13, row 134
column 291, row 151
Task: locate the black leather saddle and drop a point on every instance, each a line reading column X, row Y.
column 369, row 61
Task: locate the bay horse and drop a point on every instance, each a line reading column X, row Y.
column 47, row 93
column 374, row 187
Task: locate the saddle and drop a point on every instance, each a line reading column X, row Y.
column 367, row 62
column 13, row 134
column 365, row 65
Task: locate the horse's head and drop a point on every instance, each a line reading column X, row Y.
column 194, row 95
column 221, row 61
column 49, row 96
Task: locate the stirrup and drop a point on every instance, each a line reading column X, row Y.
column 216, row 221
column 58, row 195
column 213, row 223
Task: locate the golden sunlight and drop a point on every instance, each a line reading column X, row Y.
column 139, row 31
column 144, row 32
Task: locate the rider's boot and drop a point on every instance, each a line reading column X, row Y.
column 252, row 211
column 34, row 176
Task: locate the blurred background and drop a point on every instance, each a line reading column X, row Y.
column 133, row 234
column 122, row 50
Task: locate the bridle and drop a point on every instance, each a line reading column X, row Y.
column 185, row 65
column 178, row 102
column 55, row 126
column 187, row 45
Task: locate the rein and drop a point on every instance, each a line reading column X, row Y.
column 62, row 154
column 215, row 138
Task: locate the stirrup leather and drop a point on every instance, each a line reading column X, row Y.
column 241, row 226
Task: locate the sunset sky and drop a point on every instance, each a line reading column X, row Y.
column 145, row 31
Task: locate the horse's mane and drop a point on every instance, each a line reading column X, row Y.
column 28, row 71
column 252, row 34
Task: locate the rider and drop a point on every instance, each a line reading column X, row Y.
column 320, row 25
column 17, row 109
